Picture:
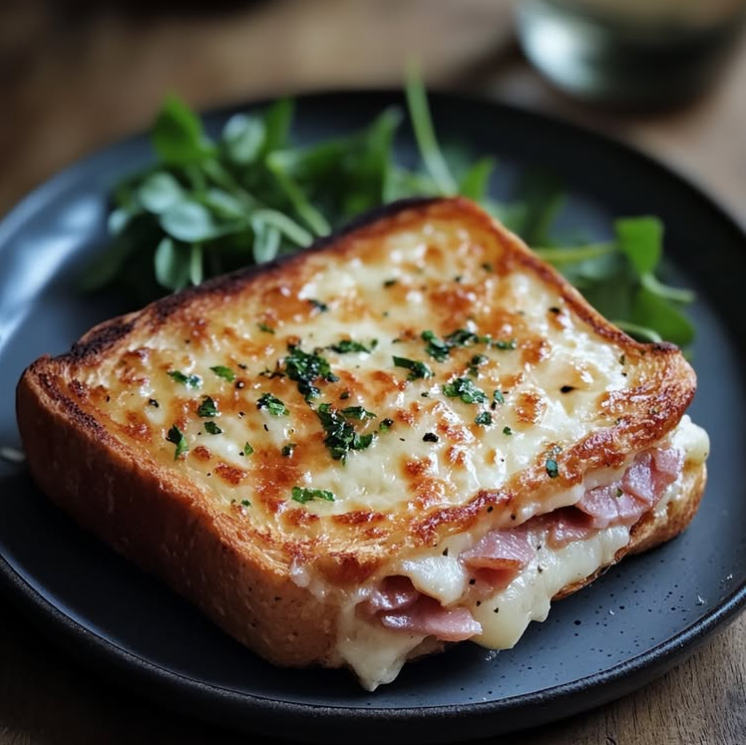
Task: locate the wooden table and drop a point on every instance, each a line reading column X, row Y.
column 77, row 75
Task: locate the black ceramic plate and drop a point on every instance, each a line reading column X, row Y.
column 630, row 626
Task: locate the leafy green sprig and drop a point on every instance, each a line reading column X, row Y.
column 208, row 206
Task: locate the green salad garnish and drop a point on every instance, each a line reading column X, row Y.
column 212, row 204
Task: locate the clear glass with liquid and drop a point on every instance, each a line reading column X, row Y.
column 629, row 52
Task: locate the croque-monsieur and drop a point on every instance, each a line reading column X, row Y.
column 416, row 433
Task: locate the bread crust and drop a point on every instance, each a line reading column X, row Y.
column 241, row 576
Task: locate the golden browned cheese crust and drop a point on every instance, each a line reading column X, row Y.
column 221, row 527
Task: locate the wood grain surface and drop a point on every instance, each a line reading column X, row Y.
column 77, row 75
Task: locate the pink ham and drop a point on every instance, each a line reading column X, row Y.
column 612, row 505
column 394, row 593
column 567, row 525
column 625, row 502
column 501, row 549
column 429, row 618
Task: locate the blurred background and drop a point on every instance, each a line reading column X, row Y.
column 78, row 74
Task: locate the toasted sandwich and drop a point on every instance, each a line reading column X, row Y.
column 413, row 434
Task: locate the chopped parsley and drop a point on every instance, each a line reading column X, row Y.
column 273, row 405
column 224, row 372
column 305, row 368
column 498, row 397
column 430, row 437
column 484, row 418
column 619, row 492
column 288, row 449
column 552, row 468
column 246, row 503
column 416, row 369
column 505, row 344
column 347, row 345
column 390, row 282
column 385, row 425
column 477, row 361
column 321, row 307
column 208, row 408
column 190, row 381
column 176, row 436
column 435, row 347
column 357, row 412
column 507, row 430
column 487, row 267
column 265, row 328
column 340, row 434
column 212, row 429
column 247, row 449
column 306, row 495
column 464, row 389
column 461, row 337
column 344, row 395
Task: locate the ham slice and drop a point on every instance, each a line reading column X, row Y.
column 394, row 593
column 567, row 525
column 621, row 503
column 429, row 618
column 501, row 549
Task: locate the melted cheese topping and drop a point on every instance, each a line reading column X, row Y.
column 391, row 290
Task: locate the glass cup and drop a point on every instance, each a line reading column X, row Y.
column 629, row 52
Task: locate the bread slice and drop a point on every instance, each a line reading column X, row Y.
column 314, row 451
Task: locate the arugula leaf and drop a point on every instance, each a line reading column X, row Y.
column 159, row 192
column 640, row 240
column 177, row 136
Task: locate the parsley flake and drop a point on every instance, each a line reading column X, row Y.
column 385, row 425
column 176, row 436
column 246, row 503
column 477, row 361
column 461, row 337
column 305, row 368
column 430, row 437
column 505, row 344
column 498, row 397
column 208, row 408
column 464, row 389
column 247, row 449
column 288, row 449
column 306, row 495
column 435, row 347
column 224, row 372
column 507, row 430
column 273, row 405
column 212, row 429
column 265, row 328
column 190, row 381
column 321, row 307
column 417, row 369
column 340, row 434
column 552, row 468
column 347, row 345
column 357, row 412
column 484, row 418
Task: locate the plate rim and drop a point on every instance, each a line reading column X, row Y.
column 162, row 683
